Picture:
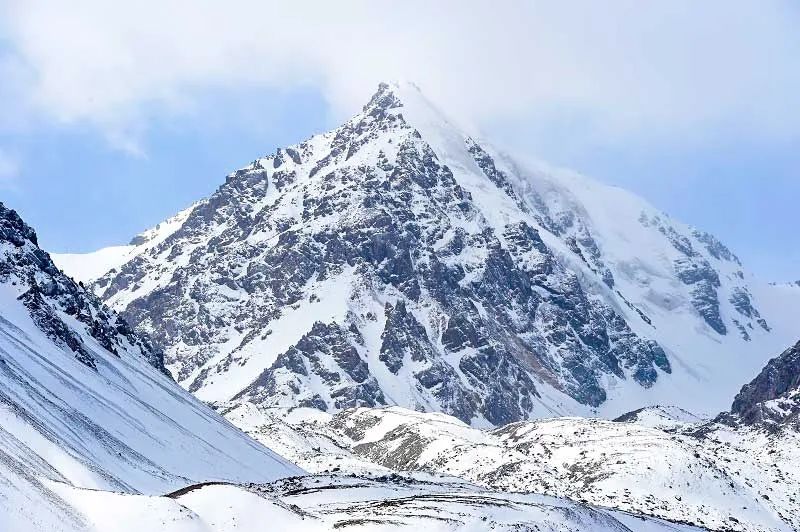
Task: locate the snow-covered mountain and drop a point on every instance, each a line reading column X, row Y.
column 86, row 403
column 398, row 261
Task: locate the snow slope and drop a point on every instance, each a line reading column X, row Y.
column 86, row 402
column 86, row 267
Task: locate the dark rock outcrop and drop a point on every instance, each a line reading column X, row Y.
column 772, row 399
column 47, row 293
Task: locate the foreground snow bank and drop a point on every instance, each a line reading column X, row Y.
column 325, row 503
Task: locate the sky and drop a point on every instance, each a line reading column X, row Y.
column 114, row 116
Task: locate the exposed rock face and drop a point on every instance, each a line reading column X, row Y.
column 773, row 397
column 395, row 260
column 326, row 353
column 704, row 281
column 51, row 297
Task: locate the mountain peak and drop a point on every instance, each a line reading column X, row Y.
column 394, row 92
column 418, row 111
column 383, row 99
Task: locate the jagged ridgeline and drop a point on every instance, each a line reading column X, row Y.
column 396, row 260
column 49, row 296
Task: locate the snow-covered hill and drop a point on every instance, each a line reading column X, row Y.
column 710, row 475
column 397, row 261
column 86, row 402
column 661, row 417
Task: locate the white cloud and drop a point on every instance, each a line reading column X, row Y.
column 670, row 66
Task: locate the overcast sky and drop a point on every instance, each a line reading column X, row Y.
column 114, row 115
